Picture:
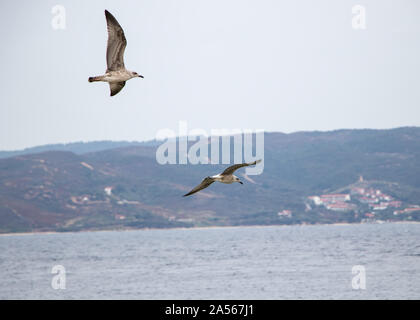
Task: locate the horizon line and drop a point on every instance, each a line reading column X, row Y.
column 183, row 136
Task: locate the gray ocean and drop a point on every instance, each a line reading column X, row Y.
column 276, row 262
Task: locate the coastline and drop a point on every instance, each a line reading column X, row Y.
column 201, row 228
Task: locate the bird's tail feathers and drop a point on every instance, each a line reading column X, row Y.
column 98, row 78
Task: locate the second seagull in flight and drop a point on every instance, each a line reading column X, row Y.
column 226, row 176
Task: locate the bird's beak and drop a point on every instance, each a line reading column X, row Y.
column 140, row 76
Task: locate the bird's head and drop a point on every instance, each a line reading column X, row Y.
column 236, row 179
column 135, row 75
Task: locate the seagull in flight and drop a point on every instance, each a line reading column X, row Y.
column 226, row 176
column 116, row 74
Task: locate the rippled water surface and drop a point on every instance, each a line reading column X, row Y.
column 278, row 262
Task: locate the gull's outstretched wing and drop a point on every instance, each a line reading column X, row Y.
column 235, row 167
column 116, row 44
column 116, row 87
column 204, row 184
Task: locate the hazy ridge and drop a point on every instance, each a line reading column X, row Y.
column 63, row 188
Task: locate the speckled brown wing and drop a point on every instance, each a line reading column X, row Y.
column 204, row 184
column 116, row 87
column 116, row 44
column 235, row 167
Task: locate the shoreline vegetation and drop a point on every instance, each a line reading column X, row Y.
column 204, row 228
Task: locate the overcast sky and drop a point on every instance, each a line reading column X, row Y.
column 274, row 65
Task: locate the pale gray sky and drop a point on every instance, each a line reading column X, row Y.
column 275, row 65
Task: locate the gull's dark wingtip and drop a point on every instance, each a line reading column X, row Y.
column 109, row 14
column 188, row 194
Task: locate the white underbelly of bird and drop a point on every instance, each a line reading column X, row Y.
column 114, row 77
column 224, row 179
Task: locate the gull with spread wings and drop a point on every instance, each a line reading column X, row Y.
column 226, row 176
column 116, row 74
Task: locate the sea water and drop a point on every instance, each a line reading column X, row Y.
column 361, row 261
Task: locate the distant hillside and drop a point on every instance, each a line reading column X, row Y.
column 124, row 187
column 77, row 147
